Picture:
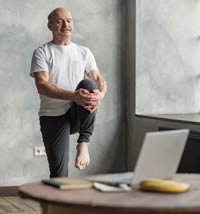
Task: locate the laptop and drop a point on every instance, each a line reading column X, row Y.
column 159, row 157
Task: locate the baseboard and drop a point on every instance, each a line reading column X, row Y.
column 9, row 191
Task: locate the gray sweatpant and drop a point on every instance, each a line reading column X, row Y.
column 56, row 132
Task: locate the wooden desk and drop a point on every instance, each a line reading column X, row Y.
column 91, row 201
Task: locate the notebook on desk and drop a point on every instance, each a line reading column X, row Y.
column 159, row 157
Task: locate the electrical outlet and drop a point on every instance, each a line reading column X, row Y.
column 39, row 151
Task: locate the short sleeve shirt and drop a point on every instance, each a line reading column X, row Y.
column 66, row 65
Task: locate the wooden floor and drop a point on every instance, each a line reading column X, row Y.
column 16, row 205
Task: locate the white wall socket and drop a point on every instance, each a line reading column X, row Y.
column 39, row 151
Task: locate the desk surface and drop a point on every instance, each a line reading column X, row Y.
column 124, row 202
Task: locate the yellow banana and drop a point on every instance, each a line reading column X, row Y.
column 159, row 185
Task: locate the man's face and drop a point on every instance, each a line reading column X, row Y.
column 61, row 24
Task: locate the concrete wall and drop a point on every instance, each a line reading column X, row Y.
column 167, row 57
column 99, row 25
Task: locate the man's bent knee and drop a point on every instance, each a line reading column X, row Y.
column 88, row 84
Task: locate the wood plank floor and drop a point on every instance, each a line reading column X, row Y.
column 16, row 205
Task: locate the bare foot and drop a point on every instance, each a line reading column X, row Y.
column 82, row 156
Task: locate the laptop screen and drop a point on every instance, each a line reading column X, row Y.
column 160, row 154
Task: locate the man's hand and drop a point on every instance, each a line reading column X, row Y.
column 80, row 97
column 94, row 102
column 88, row 100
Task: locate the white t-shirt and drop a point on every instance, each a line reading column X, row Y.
column 67, row 65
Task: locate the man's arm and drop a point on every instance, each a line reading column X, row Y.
column 98, row 95
column 101, row 83
column 48, row 89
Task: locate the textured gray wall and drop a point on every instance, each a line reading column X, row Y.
column 98, row 25
column 167, row 57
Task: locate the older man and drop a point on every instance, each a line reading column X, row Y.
column 71, row 88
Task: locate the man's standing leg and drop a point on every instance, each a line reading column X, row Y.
column 55, row 132
column 82, row 121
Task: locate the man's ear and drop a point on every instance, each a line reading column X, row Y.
column 49, row 25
